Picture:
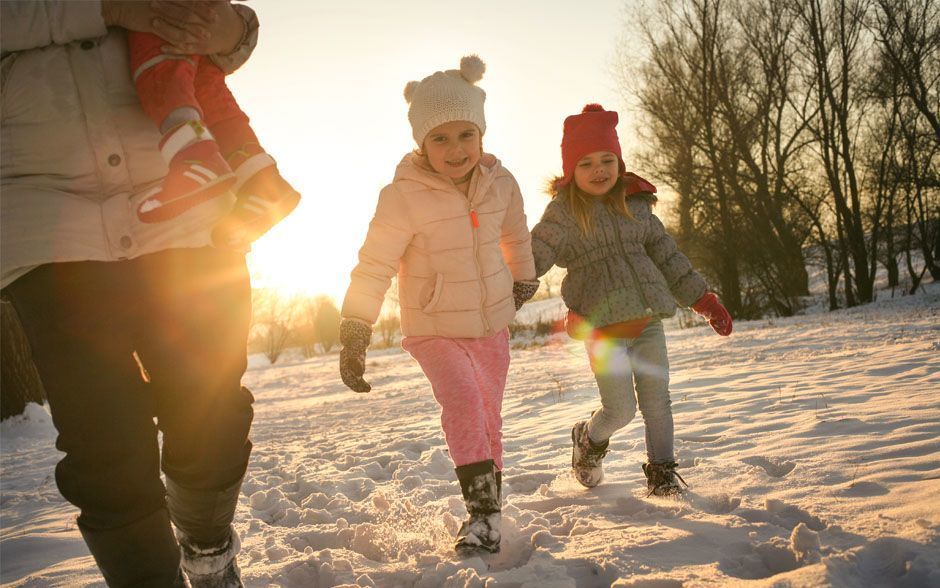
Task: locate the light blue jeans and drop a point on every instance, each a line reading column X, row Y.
column 631, row 371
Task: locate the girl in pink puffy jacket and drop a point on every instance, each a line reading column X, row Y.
column 451, row 225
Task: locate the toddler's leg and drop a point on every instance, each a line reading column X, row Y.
column 651, row 375
column 611, row 366
column 164, row 82
column 197, row 171
column 490, row 357
column 463, row 416
column 453, row 367
column 613, row 371
column 264, row 197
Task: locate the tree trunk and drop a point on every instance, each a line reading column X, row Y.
column 19, row 380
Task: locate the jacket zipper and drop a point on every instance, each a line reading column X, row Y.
column 474, row 225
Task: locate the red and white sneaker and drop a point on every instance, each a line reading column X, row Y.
column 264, row 198
column 198, row 173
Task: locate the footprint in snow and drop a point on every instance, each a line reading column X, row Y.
column 774, row 468
column 700, row 438
column 712, row 504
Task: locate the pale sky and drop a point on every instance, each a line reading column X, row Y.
column 324, row 92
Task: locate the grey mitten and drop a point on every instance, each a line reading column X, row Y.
column 355, row 336
column 523, row 290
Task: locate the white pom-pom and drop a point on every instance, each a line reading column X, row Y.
column 472, row 68
column 410, row 88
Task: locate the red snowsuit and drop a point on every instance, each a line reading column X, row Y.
column 166, row 82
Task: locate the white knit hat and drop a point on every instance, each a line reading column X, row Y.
column 446, row 96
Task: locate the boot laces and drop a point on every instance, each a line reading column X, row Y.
column 663, row 476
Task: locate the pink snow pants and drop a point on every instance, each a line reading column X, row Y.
column 468, row 377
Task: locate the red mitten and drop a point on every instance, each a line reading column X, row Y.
column 714, row 312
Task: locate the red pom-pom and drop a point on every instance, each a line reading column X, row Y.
column 593, row 107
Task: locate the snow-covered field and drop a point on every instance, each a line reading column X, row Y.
column 811, row 444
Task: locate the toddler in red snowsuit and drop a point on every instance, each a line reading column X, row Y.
column 208, row 144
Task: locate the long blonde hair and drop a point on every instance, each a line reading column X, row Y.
column 581, row 203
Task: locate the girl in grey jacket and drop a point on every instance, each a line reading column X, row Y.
column 625, row 274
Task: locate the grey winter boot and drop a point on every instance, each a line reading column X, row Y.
column 209, row 543
column 212, row 567
column 142, row 554
column 480, row 485
column 662, row 479
column 586, row 457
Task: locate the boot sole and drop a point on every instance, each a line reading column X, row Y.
column 574, row 469
column 474, row 550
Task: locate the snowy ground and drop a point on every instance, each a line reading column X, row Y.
column 812, row 446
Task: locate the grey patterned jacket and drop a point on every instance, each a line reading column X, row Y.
column 626, row 270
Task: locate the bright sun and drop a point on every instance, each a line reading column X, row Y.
column 287, row 259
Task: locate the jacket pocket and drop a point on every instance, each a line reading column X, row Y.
column 435, row 296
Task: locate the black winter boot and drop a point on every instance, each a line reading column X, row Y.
column 662, row 479
column 144, row 554
column 203, row 520
column 212, row 566
column 480, row 484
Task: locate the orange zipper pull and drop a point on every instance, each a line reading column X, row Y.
column 474, row 219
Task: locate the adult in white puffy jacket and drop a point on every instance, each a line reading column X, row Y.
column 134, row 328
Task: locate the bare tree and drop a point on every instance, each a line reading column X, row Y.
column 760, row 115
column 718, row 96
column 388, row 326
column 327, row 323
column 908, row 35
column 273, row 317
column 833, row 47
column 679, row 96
column 19, row 380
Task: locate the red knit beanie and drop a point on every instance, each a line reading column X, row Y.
column 595, row 129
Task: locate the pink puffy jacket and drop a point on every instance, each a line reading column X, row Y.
column 456, row 256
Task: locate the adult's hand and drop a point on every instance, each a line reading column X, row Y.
column 202, row 27
column 188, row 26
column 144, row 17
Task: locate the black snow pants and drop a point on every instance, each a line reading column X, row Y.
column 127, row 348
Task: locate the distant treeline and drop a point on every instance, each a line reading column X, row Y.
column 787, row 126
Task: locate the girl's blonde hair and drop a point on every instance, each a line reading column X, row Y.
column 581, row 203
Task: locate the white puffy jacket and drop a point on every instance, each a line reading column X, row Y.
column 76, row 149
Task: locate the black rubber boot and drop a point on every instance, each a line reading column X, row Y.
column 144, row 554
column 480, row 484
column 210, row 545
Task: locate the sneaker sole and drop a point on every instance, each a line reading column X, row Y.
column 173, row 208
column 255, row 228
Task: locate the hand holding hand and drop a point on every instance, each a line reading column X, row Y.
column 714, row 312
column 355, row 336
column 523, row 290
